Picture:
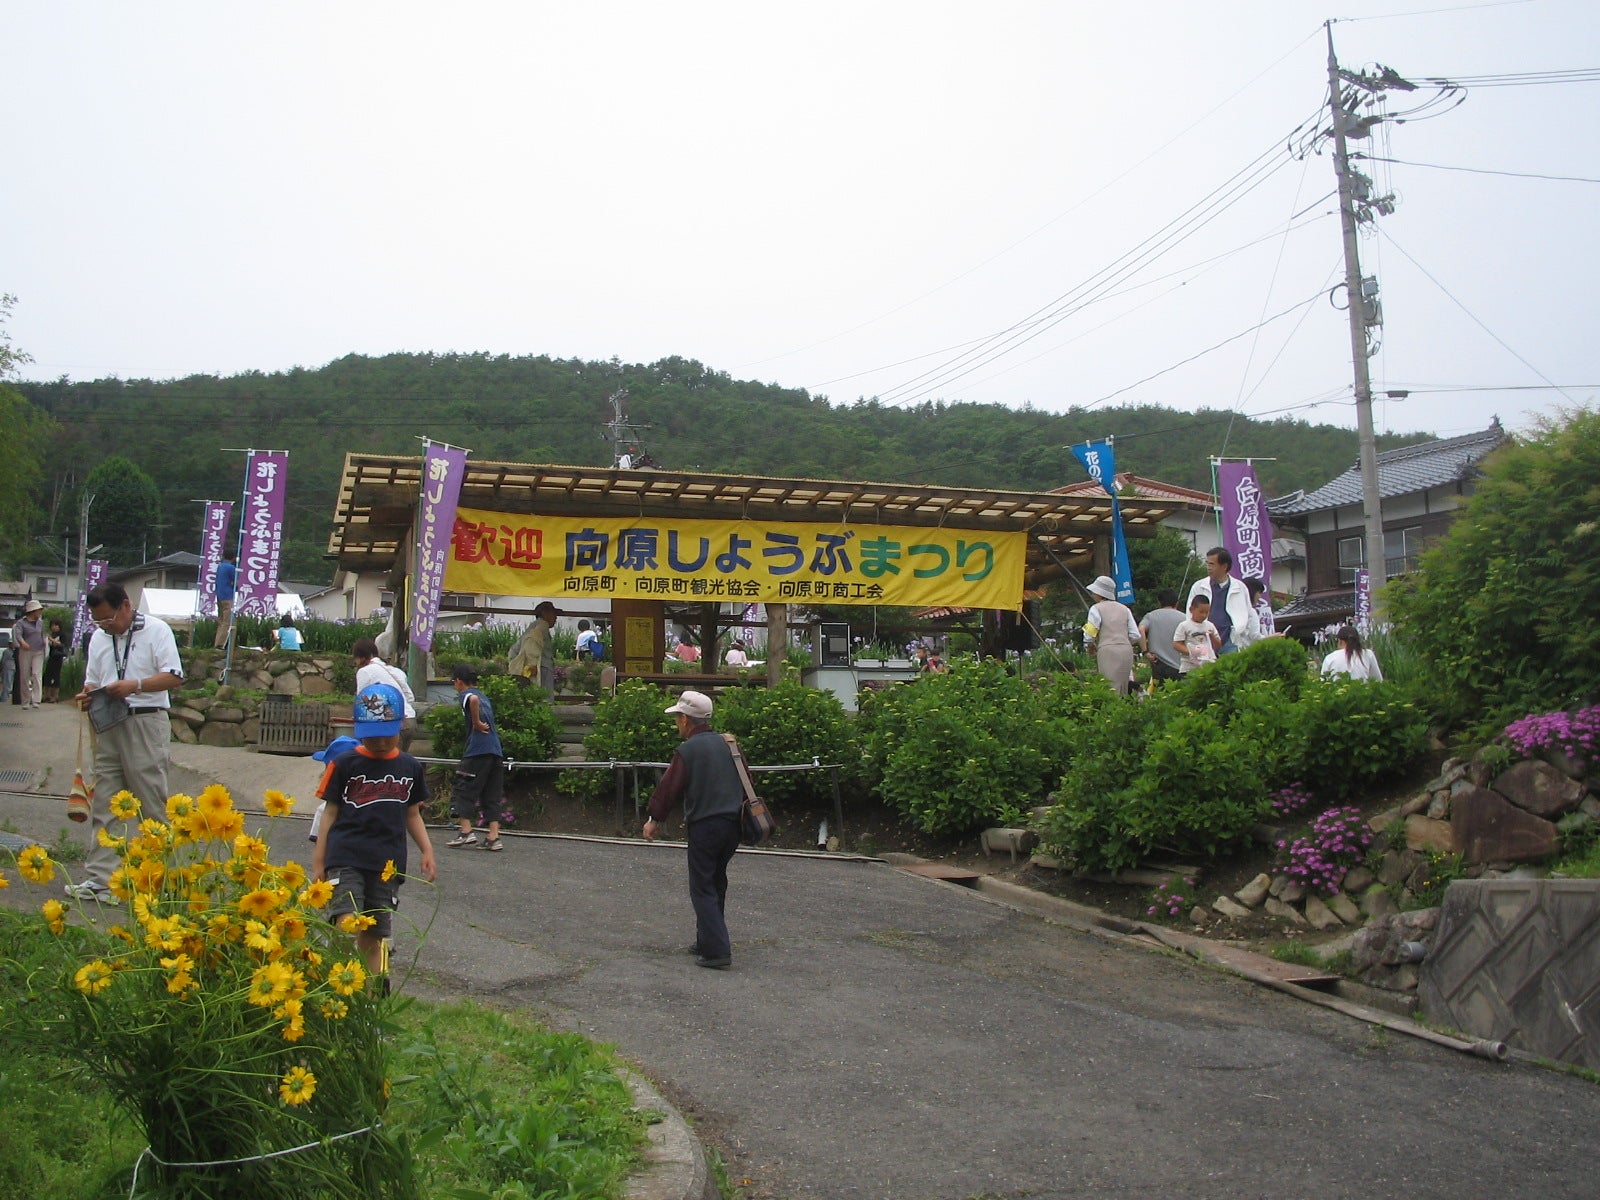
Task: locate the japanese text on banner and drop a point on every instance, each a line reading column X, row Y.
column 213, row 544
column 1246, row 528
column 261, row 544
column 443, row 468
column 746, row 561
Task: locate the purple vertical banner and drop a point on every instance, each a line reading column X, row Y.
column 1363, row 601
column 266, row 475
column 94, row 574
column 213, row 544
column 1246, row 528
column 443, row 469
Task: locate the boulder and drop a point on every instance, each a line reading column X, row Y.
column 1320, row 916
column 1416, row 804
column 1230, row 908
column 184, row 714
column 225, row 692
column 1344, row 908
column 287, row 684
column 1377, row 902
column 1425, row 833
column 1397, row 866
column 1539, row 788
column 1198, row 915
column 1253, row 893
column 1356, row 880
column 220, row 733
column 250, row 729
column 279, row 666
column 315, row 685
column 1292, row 893
column 1284, row 912
column 225, row 715
column 1489, row 828
column 1439, row 805
column 1275, row 889
column 182, row 733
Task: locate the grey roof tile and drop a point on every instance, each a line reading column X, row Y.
column 1400, row 472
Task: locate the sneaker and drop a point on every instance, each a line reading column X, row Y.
column 87, row 891
column 463, row 839
column 494, row 844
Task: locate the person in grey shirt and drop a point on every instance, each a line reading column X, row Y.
column 1157, row 629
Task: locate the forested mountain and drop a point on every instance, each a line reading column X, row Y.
column 539, row 409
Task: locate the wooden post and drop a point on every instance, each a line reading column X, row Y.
column 777, row 641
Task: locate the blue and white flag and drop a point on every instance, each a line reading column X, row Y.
column 1100, row 461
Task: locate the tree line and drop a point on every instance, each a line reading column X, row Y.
column 178, row 434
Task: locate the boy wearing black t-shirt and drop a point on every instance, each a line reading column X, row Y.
column 374, row 797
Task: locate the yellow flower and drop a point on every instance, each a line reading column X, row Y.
column 155, row 833
column 269, row 985
column 229, row 826
column 93, row 978
column 347, row 978
column 121, row 884
column 55, row 913
column 298, row 1086
column 220, row 928
column 105, row 838
column 215, row 801
column 292, row 875
column 121, row 932
column 335, row 1010
column 180, row 805
column 251, row 848
column 291, row 927
column 262, row 940
column 125, row 805
column 388, row 871
column 317, row 894
column 182, row 979
column 261, row 903
column 4, row 882
column 356, row 922
column 277, row 804
column 148, row 875
column 35, row 865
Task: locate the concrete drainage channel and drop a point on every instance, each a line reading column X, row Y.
column 1244, row 963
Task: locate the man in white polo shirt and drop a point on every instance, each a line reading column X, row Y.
column 133, row 658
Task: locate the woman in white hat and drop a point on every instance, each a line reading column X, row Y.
column 28, row 636
column 1112, row 633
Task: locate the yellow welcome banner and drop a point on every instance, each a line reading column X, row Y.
column 789, row 562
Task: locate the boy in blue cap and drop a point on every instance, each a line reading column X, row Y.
column 327, row 754
column 374, row 795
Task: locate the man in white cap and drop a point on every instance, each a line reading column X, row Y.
column 703, row 776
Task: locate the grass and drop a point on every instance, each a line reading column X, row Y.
column 492, row 1104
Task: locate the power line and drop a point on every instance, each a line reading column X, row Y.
column 1477, row 170
column 1503, row 343
column 1179, row 229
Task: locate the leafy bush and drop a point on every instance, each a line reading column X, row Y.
column 630, row 726
column 787, row 724
column 1354, row 733
column 317, row 636
column 1191, row 770
column 1502, row 612
column 974, row 745
column 529, row 729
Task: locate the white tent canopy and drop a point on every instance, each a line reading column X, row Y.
column 183, row 604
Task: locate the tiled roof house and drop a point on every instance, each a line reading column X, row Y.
column 1420, row 487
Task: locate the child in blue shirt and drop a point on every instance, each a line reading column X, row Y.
column 477, row 794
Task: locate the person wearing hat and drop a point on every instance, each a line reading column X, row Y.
column 702, row 776
column 340, row 745
column 1112, row 633
column 131, row 666
column 28, row 636
column 374, row 796
column 534, row 656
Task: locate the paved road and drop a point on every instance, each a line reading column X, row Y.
column 883, row 1036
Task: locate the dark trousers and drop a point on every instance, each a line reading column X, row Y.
column 712, row 841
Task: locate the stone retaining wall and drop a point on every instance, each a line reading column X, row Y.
column 230, row 717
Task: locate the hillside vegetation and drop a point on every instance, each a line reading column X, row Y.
column 541, row 409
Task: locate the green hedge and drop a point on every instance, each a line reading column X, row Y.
column 529, row 728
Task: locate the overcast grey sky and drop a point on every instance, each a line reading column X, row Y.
column 841, row 197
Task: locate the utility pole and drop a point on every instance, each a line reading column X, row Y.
column 1366, row 315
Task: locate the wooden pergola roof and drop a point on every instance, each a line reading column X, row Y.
column 378, row 501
